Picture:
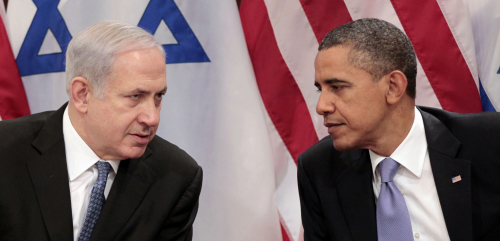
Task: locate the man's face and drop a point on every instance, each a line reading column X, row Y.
column 352, row 104
column 120, row 125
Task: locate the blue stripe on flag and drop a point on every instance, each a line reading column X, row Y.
column 485, row 101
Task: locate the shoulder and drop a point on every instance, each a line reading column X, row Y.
column 322, row 148
column 484, row 123
column 476, row 134
column 35, row 119
column 167, row 156
column 490, row 119
column 23, row 127
column 321, row 158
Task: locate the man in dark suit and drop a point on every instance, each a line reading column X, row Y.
column 446, row 166
column 54, row 181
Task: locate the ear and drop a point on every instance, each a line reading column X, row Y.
column 80, row 92
column 397, row 86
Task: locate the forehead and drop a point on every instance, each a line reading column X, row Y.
column 138, row 68
column 333, row 63
column 333, row 55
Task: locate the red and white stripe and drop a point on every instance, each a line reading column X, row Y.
column 13, row 101
column 283, row 37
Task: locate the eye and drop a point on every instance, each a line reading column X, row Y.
column 337, row 87
column 159, row 96
column 318, row 87
column 135, row 97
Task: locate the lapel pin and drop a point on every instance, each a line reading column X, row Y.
column 456, row 179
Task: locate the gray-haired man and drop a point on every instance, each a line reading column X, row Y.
column 94, row 169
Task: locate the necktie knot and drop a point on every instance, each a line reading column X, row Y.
column 388, row 168
column 103, row 168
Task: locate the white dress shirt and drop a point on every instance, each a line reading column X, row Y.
column 82, row 173
column 415, row 181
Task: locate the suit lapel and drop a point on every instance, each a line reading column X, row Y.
column 49, row 175
column 455, row 198
column 357, row 200
column 132, row 182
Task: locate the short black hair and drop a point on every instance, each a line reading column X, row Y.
column 378, row 47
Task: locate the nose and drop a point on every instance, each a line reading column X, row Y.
column 150, row 114
column 325, row 104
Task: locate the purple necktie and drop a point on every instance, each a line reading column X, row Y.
column 393, row 219
column 96, row 201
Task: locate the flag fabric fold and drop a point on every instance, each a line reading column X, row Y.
column 13, row 101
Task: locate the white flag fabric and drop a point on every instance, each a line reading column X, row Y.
column 485, row 19
column 212, row 108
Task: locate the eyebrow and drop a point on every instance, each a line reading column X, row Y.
column 141, row 91
column 335, row 80
column 331, row 81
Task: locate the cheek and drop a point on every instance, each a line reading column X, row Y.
column 116, row 126
column 368, row 104
column 360, row 116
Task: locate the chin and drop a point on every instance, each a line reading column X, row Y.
column 134, row 152
column 340, row 146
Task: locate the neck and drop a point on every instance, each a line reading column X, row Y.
column 395, row 129
column 76, row 119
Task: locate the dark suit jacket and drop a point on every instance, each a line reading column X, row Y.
column 336, row 192
column 154, row 197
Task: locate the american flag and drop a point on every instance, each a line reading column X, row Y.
column 283, row 37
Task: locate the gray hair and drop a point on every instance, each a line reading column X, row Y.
column 377, row 47
column 91, row 53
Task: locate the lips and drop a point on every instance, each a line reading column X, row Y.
column 332, row 127
column 141, row 138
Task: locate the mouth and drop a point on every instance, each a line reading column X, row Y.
column 333, row 126
column 140, row 138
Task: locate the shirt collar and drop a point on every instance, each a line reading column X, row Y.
column 411, row 152
column 79, row 156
